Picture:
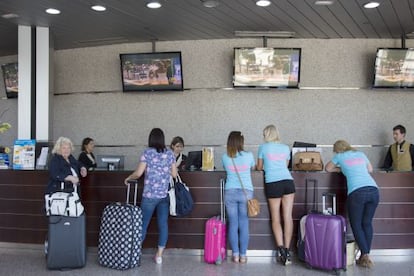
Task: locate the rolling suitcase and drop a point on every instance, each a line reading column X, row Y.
column 65, row 247
column 302, row 221
column 325, row 243
column 215, row 234
column 120, row 235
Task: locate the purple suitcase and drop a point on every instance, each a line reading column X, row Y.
column 325, row 246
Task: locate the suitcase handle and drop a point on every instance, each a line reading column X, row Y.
column 132, row 181
column 314, row 204
column 325, row 210
column 222, row 205
column 62, row 186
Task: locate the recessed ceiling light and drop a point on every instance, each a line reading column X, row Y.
column 263, row 3
column 323, row 2
column 52, row 11
column 9, row 15
column 98, row 8
column 153, row 4
column 371, row 5
column 210, row 3
column 278, row 34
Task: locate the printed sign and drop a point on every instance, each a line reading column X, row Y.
column 24, row 155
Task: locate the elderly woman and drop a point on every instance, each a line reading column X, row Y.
column 63, row 167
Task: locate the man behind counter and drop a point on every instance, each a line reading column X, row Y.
column 400, row 154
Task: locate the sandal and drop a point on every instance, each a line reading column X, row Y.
column 243, row 260
column 236, row 259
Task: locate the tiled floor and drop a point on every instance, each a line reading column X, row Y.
column 17, row 259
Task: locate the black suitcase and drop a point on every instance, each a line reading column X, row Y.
column 65, row 246
column 120, row 235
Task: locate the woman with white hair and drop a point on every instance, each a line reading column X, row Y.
column 63, row 166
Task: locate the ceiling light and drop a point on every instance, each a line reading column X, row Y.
column 409, row 35
column 153, row 4
column 371, row 5
column 263, row 3
column 53, row 11
column 210, row 3
column 98, row 8
column 278, row 34
column 323, row 2
column 9, row 15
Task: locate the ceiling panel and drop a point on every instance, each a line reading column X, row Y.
column 131, row 21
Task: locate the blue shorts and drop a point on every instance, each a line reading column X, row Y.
column 279, row 188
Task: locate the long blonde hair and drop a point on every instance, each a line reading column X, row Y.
column 342, row 146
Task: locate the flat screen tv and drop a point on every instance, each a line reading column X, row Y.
column 394, row 68
column 11, row 78
column 266, row 67
column 160, row 71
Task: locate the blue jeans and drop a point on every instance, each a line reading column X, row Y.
column 148, row 206
column 236, row 208
column 362, row 204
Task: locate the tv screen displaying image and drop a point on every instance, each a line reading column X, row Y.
column 11, row 79
column 394, row 68
column 152, row 72
column 266, row 67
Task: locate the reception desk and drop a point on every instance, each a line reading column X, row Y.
column 22, row 216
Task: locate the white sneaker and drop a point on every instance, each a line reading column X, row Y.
column 158, row 260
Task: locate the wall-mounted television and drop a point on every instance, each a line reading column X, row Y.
column 266, row 67
column 158, row 71
column 394, row 68
column 11, row 79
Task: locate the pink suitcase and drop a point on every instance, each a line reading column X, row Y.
column 215, row 235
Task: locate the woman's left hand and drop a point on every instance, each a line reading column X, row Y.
column 83, row 172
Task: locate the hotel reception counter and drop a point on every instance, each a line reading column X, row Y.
column 22, row 217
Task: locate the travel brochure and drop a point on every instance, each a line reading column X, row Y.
column 24, row 155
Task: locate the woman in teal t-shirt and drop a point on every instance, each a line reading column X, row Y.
column 273, row 158
column 363, row 194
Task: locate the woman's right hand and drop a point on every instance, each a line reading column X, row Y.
column 126, row 180
column 73, row 179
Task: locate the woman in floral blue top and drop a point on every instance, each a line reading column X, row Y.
column 158, row 163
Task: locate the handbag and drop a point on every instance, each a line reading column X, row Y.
column 307, row 161
column 171, row 194
column 253, row 205
column 64, row 203
column 181, row 201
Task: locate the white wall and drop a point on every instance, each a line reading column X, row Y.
column 336, row 104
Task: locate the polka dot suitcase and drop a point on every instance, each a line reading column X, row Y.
column 120, row 235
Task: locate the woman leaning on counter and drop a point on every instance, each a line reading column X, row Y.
column 273, row 158
column 363, row 194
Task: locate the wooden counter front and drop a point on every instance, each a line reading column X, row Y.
column 22, row 216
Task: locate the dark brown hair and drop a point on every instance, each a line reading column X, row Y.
column 156, row 140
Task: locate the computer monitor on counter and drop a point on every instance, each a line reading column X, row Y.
column 110, row 162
